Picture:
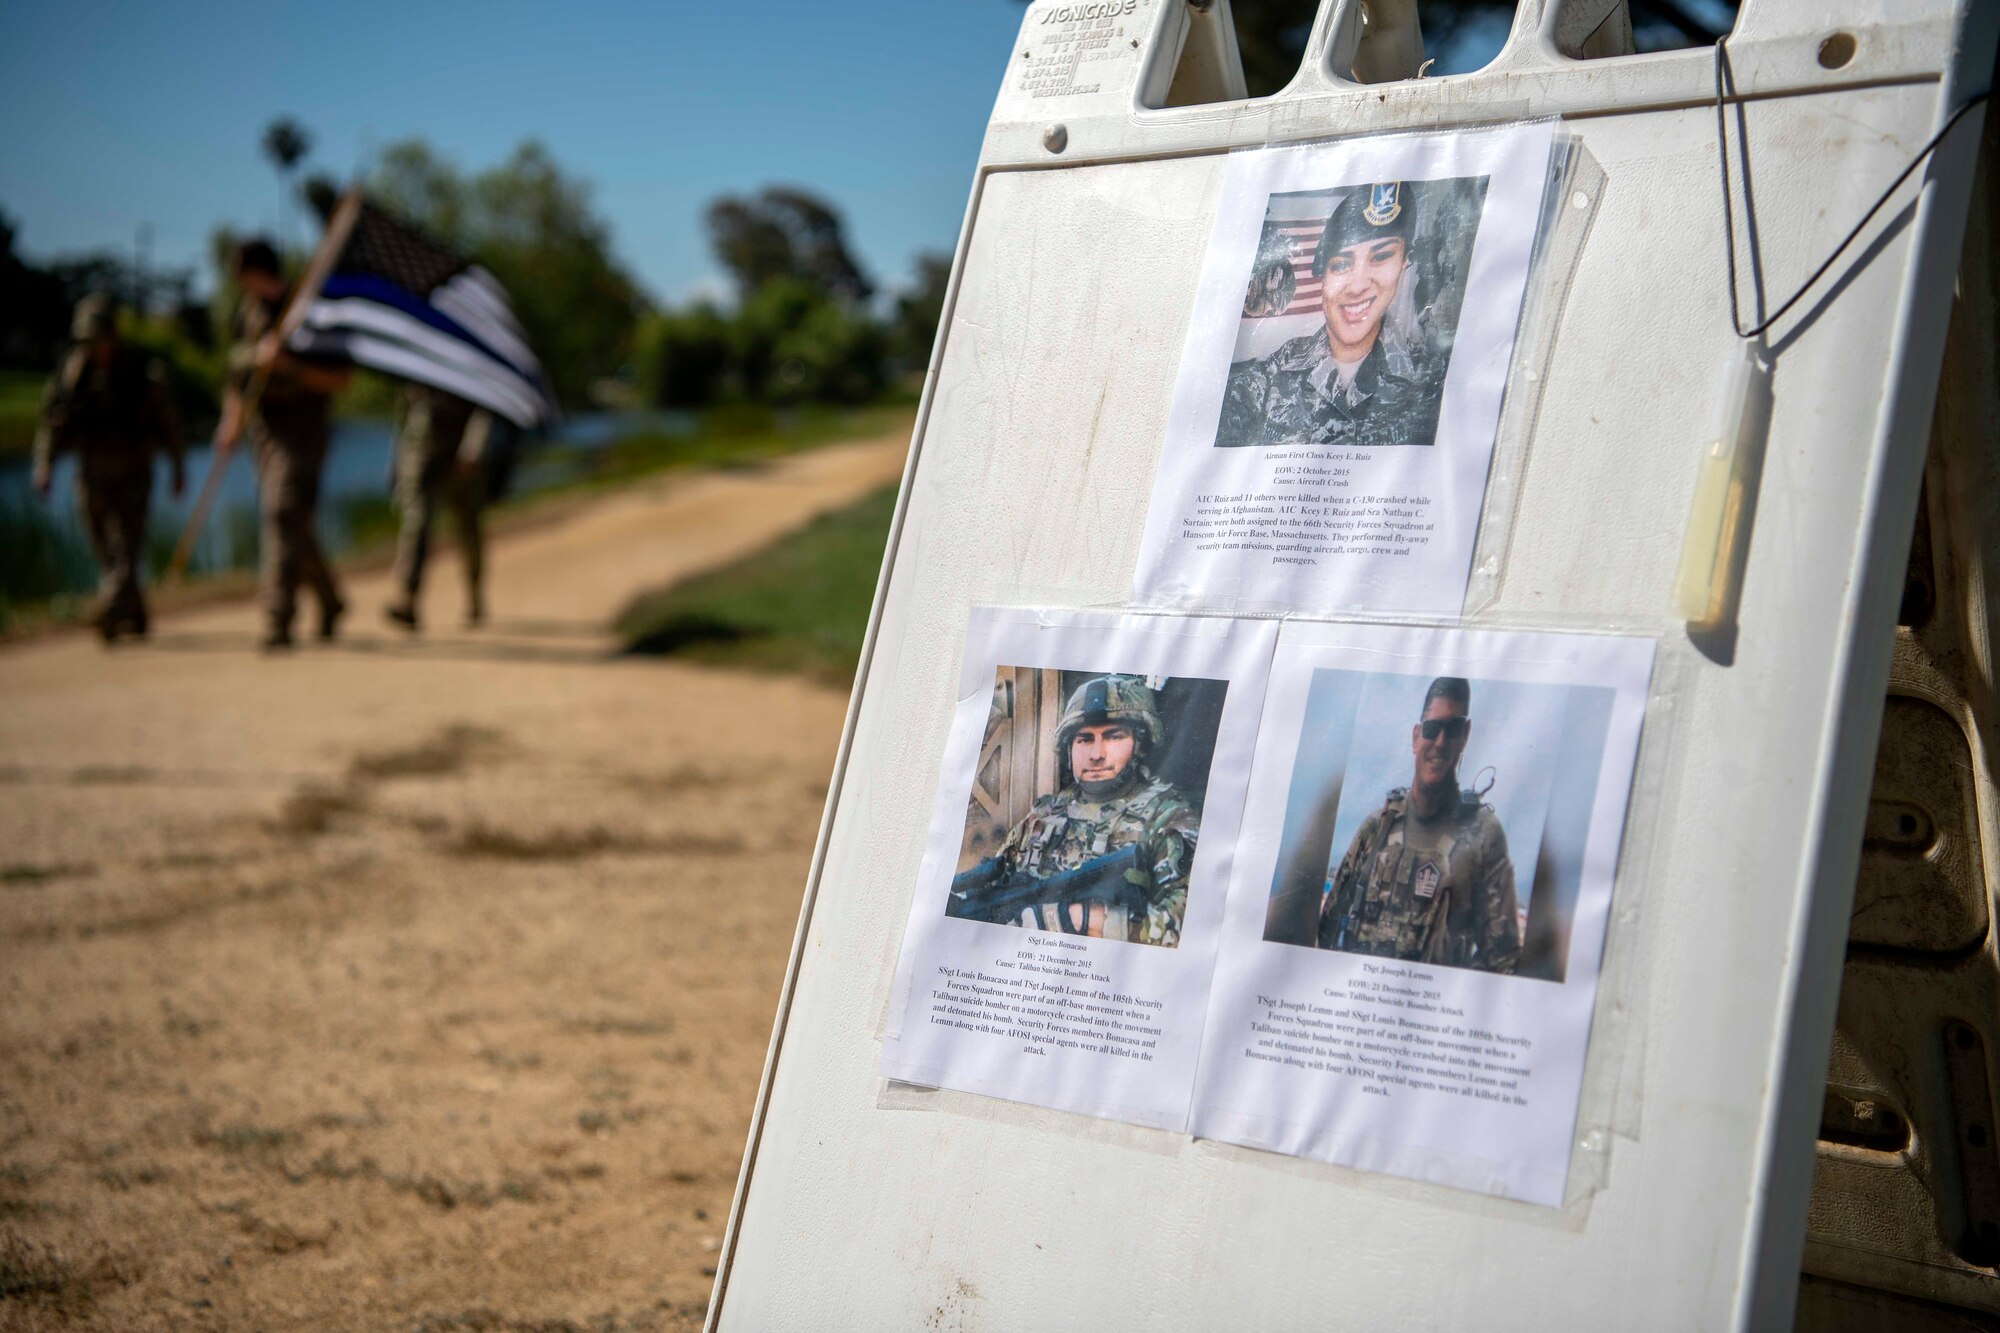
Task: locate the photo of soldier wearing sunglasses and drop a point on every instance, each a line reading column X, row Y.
column 1426, row 878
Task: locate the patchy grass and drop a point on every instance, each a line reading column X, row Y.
column 27, row 874
column 121, row 1178
column 675, row 780
column 443, row 1192
column 509, row 1061
column 800, row 604
column 15, row 1182
column 315, row 806
column 446, row 1193
column 448, row 752
column 34, row 1275
column 111, row 775
column 479, row 840
column 243, row 1137
column 170, row 912
column 178, row 1022
column 606, row 1025
column 659, row 1317
column 279, row 1237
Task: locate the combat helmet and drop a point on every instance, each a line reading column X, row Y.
column 94, row 317
column 1103, row 699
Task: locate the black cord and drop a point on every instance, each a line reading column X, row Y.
column 1729, row 214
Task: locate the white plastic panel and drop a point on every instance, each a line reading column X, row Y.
column 867, row 1207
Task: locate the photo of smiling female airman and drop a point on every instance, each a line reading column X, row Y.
column 1363, row 285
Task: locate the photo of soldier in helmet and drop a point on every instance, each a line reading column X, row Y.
column 1106, row 847
column 1364, row 287
column 1426, row 878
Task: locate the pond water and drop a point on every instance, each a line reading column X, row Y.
column 44, row 551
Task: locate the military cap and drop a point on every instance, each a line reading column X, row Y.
column 1368, row 213
column 1106, row 699
column 94, row 317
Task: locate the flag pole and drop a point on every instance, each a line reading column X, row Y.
column 331, row 242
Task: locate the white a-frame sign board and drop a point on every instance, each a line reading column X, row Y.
column 1054, row 426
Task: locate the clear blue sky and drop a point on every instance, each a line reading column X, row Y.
column 117, row 114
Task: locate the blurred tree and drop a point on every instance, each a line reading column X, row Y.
column 34, row 308
column 834, row 354
column 286, row 143
column 785, row 233
column 533, row 226
column 322, row 194
column 194, row 372
column 683, row 356
column 36, row 301
column 791, row 342
column 414, row 182
column 224, row 296
column 913, row 329
column 801, row 330
column 776, row 308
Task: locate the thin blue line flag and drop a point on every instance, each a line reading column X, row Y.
column 402, row 303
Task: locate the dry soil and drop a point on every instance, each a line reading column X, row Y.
column 403, row 983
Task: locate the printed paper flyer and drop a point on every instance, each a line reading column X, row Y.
column 1409, row 964
column 1340, row 390
column 1059, row 946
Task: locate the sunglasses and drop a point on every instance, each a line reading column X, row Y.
column 1452, row 728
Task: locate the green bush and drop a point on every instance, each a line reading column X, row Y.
column 773, row 311
column 20, row 405
column 833, row 355
column 194, row 372
column 792, row 343
column 683, row 356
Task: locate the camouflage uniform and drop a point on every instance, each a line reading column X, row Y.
column 113, row 417
column 1079, row 824
column 440, row 452
column 291, row 430
column 1293, row 396
column 1426, row 890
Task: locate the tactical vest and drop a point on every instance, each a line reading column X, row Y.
column 1066, row 829
column 1397, row 899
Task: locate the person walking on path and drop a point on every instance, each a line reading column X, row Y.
column 441, row 452
column 289, row 423
column 109, row 404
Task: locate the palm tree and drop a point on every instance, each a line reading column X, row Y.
column 286, row 143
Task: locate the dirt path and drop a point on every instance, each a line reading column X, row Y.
column 416, row 984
